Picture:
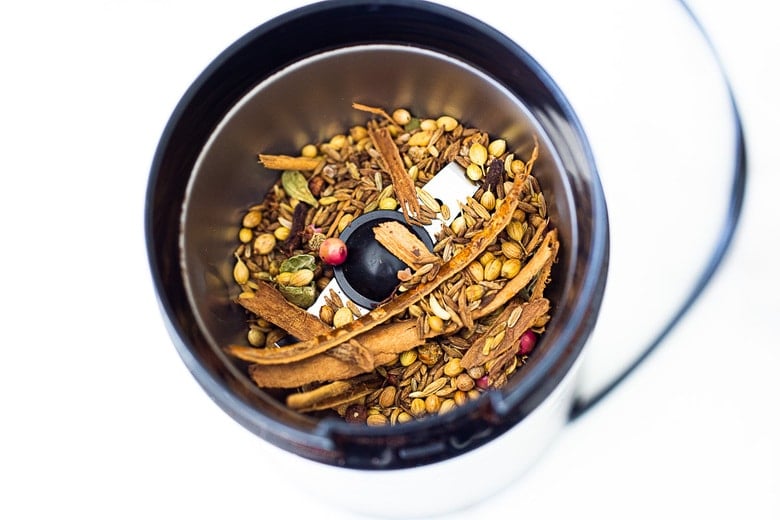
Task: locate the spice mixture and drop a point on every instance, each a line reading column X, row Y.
column 464, row 317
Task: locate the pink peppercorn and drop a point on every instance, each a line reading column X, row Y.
column 527, row 342
column 333, row 251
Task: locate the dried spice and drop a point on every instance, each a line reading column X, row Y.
column 394, row 166
column 404, row 244
column 453, row 329
column 296, row 230
column 297, row 187
column 285, row 162
column 501, row 337
column 494, row 176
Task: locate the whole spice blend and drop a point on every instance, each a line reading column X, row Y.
column 463, row 318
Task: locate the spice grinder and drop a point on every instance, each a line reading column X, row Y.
column 292, row 81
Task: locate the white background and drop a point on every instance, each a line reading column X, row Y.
column 100, row 419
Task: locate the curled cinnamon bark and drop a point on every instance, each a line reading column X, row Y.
column 377, row 111
column 286, row 162
column 269, row 304
column 394, row 166
column 328, row 396
column 481, row 351
column 404, row 244
column 384, row 342
column 543, row 256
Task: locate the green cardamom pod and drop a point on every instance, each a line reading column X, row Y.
column 297, row 187
column 303, row 297
column 296, row 263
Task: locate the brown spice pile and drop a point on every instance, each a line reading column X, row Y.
column 452, row 329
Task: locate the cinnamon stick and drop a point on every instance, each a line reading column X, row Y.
column 331, row 395
column 544, row 255
column 298, row 401
column 269, row 304
column 385, row 343
column 531, row 311
column 318, row 369
column 355, row 354
column 540, row 231
column 286, row 162
column 394, row 166
column 377, row 111
column 543, row 278
column 404, row 244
